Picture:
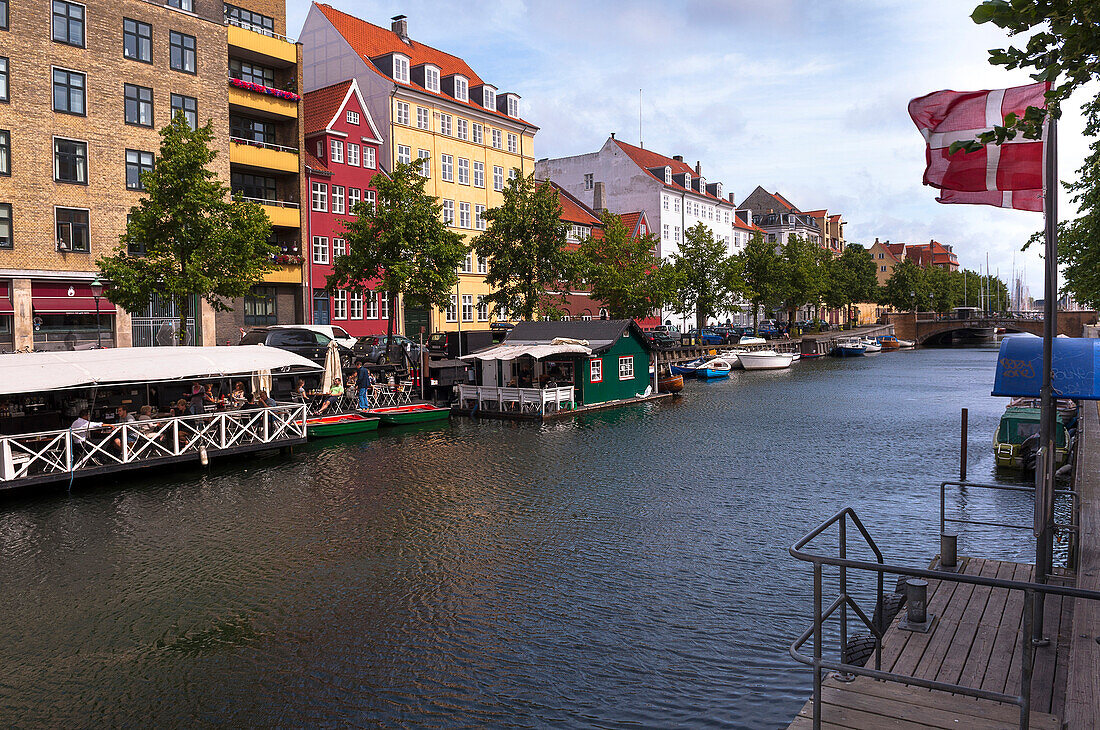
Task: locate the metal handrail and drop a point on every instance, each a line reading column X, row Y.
column 264, row 145
column 1030, row 590
column 275, row 203
column 1074, row 499
column 254, row 29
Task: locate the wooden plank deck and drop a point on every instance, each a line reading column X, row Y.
column 974, row 642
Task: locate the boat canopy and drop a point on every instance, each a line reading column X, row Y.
column 1076, row 367
column 35, row 372
column 504, row 351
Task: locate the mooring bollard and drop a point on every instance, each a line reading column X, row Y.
column 949, row 550
column 917, row 617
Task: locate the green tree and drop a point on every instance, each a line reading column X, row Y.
column 622, row 271
column 762, row 271
column 905, row 287
column 851, row 278
column 805, row 274
column 399, row 246
column 190, row 239
column 942, row 289
column 705, row 278
column 525, row 247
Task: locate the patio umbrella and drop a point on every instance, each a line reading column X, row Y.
column 332, row 366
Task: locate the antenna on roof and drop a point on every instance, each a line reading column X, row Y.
column 640, row 142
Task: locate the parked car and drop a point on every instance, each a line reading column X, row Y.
column 373, row 348
column 706, row 337
column 660, row 339
column 328, row 330
column 305, row 342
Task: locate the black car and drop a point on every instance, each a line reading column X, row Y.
column 660, row 339
column 307, row 343
column 372, row 348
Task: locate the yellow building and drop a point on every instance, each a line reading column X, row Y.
column 429, row 105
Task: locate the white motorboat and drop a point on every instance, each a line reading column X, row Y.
column 871, row 346
column 731, row 355
column 766, row 360
column 905, row 344
column 751, row 340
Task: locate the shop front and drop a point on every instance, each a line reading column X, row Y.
column 7, row 314
column 67, row 316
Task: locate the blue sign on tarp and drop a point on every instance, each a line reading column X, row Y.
column 1075, row 372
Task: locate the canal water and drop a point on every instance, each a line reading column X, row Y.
column 625, row 569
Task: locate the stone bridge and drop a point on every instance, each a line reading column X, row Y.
column 920, row 328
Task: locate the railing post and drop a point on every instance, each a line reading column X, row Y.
column 843, row 586
column 1027, row 657
column 221, row 429
column 176, row 436
column 124, row 444
column 817, row 645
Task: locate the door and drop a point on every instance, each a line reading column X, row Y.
column 415, row 318
column 320, row 307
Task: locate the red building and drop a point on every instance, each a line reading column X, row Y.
column 341, row 160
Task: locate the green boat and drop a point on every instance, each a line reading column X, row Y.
column 412, row 413
column 1017, row 424
column 340, row 424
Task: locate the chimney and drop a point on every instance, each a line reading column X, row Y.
column 678, row 158
column 731, row 199
column 612, row 135
column 400, row 26
column 698, row 169
column 599, row 197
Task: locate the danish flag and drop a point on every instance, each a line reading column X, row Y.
column 1009, row 175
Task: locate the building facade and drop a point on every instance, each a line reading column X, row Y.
column 886, row 256
column 84, row 87
column 780, row 219
column 341, row 160
column 430, row 106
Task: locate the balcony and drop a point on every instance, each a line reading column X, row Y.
column 262, row 45
column 272, row 102
column 263, row 155
column 280, row 212
column 284, row 274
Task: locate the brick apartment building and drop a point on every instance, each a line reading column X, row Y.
column 84, row 88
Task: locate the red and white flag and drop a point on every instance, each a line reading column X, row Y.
column 1009, row 175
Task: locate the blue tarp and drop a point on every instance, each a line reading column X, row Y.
column 1075, row 372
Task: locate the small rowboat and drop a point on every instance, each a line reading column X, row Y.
column 412, row 413
column 340, row 424
column 670, row 383
column 716, row 368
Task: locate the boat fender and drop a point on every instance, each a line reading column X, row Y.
column 203, row 458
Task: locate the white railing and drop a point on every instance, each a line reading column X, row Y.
column 257, row 29
column 64, row 451
column 275, row 203
column 517, row 400
column 264, row 145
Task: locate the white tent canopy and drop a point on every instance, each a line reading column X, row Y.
column 538, row 351
column 36, row 372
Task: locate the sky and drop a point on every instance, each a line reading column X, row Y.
column 804, row 97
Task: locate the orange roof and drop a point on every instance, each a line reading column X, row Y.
column 630, row 220
column 574, row 211
column 316, row 165
column 320, row 106
column 738, row 223
column 817, row 213
column 646, row 159
column 835, row 217
column 786, row 202
column 371, row 41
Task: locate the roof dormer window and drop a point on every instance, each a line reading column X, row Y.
column 687, row 180
column 668, row 175
column 462, row 88
column 718, row 189
column 703, row 185
column 489, row 98
column 401, row 68
column 513, row 105
column 431, row 78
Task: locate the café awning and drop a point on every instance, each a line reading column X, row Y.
column 1075, row 372
column 538, row 351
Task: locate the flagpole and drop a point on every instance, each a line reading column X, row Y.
column 1044, row 463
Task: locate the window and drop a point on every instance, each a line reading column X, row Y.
column 452, row 309
column 668, row 175
column 5, row 225
column 513, row 106
column 340, row 304
column 320, row 250
column 257, row 187
column 70, row 161
column 3, row 14
column 478, row 133
column 404, row 154
column 353, row 154
column 463, row 215
column 587, row 177
column 339, row 247
column 664, row 202
column 181, row 52
column 463, row 171
column 253, row 73
column 137, row 40
column 479, row 222
column 401, row 69
column 68, row 91
column 664, row 231
column 254, row 130
column 445, row 124
column 423, row 117
column 447, row 167
column 882, row 268
column 626, row 367
column 468, row 262
column 337, row 154
column 482, row 265
column 425, row 159
column 355, row 308
column 68, row 23
column 431, row 78
column 319, row 196
column 137, row 162
column 187, row 5
column 595, row 370
column 513, row 174
column 139, row 105
column 369, row 157
column 479, row 174
column 368, row 197
column 448, row 212
column 881, row 255
column 260, row 306
column 676, row 234
column 4, row 78
column 338, row 199
column 72, row 229
column 675, row 205
column 188, row 106
column 513, row 143
column 482, row 309
column 463, row 129
column 384, row 305
column 496, row 139
column 462, row 89
column 5, row 152
column 249, row 20
column 353, row 199
column 402, row 113
column 490, row 97
column 352, row 118
column 372, row 306
column 467, row 307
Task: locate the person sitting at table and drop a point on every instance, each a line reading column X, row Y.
column 208, row 399
column 81, row 428
column 197, row 393
column 300, row 391
column 334, row 395
column 124, row 417
column 266, row 400
column 238, row 396
column 180, row 408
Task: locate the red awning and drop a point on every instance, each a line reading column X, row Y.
column 5, row 298
column 66, row 297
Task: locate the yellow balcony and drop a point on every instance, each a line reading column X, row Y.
column 281, row 214
column 261, row 102
column 267, row 156
column 284, row 274
column 271, row 47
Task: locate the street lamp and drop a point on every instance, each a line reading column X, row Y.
column 97, row 292
column 931, row 297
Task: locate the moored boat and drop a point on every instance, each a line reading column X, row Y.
column 871, row 346
column 411, row 413
column 766, row 360
column 670, row 383
column 714, row 368
column 889, row 342
column 689, row 369
column 851, row 347
column 1016, row 439
column 340, row 424
column 751, row 340
column 906, row 344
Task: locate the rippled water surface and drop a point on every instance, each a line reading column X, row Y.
column 627, row 568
